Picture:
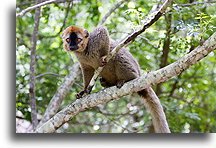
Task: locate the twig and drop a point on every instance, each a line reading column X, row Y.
column 37, row 6
column 25, row 3
column 118, row 124
column 112, row 114
column 111, row 11
column 32, row 2
column 48, row 73
column 120, row 32
column 192, row 4
column 148, row 41
column 34, row 7
column 130, row 38
column 32, row 70
column 64, row 22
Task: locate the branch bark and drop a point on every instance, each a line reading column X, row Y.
column 32, row 70
column 60, row 94
column 131, row 38
column 145, row 81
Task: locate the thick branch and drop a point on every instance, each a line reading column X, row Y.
column 111, row 11
column 60, row 94
column 38, row 6
column 135, row 85
column 32, row 70
column 132, row 37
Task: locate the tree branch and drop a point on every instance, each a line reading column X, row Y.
column 48, row 73
column 32, row 70
column 111, row 11
column 38, row 6
column 70, row 5
column 192, row 4
column 60, row 94
column 148, row 41
column 143, row 82
column 131, row 37
column 32, row 2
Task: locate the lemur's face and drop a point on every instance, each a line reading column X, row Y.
column 75, row 39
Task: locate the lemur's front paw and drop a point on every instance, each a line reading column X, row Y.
column 103, row 61
column 120, row 83
column 80, row 94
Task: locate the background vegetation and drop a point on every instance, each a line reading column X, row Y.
column 189, row 99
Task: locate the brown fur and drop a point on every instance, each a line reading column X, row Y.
column 80, row 32
column 94, row 55
column 121, row 68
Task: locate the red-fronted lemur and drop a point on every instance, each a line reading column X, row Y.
column 91, row 50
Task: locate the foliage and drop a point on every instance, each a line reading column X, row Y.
column 189, row 99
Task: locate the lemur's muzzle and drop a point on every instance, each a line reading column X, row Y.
column 72, row 48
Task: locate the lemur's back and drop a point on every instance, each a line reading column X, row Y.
column 123, row 66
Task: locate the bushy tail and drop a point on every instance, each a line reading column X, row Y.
column 153, row 105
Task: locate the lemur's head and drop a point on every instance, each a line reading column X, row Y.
column 75, row 39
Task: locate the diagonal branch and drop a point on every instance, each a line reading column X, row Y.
column 111, row 11
column 143, row 82
column 48, row 73
column 131, row 38
column 60, row 94
column 32, row 2
column 38, row 6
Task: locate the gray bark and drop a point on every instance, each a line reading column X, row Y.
column 32, row 69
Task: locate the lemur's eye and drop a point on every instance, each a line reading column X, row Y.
column 68, row 40
column 79, row 40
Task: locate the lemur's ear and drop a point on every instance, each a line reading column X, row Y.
column 87, row 33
